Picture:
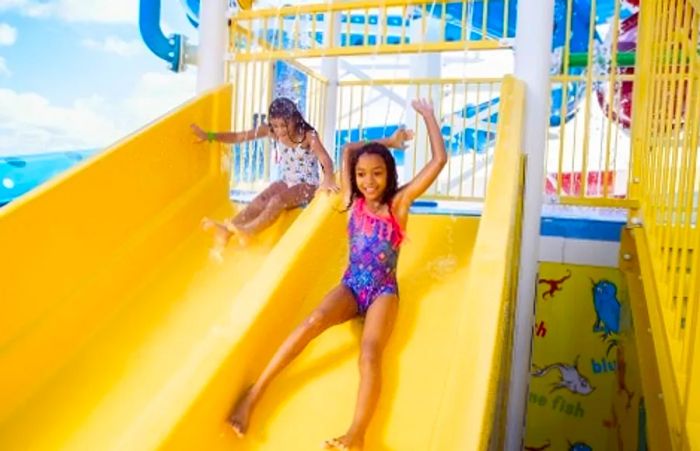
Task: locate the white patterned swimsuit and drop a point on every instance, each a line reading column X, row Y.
column 298, row 165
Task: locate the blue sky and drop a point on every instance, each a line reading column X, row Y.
column 76, row 74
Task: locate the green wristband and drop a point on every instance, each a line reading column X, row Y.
column 211, row 136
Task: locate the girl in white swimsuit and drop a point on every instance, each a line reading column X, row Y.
column 301, row 156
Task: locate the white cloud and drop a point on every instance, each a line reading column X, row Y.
column 8, row 34
column 103, row 11
column 29, row 123
column 113, row 44
column 4, row 70
column 157, row 93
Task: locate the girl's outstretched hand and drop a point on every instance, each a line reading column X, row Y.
column 197, row 130
column 424, row 107
column 329, row 186
column 398, row 139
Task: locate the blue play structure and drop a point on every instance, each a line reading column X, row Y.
column 19, row 174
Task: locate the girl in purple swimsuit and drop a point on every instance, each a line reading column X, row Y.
column 379, row 212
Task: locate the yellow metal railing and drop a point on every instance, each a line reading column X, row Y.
column 373, row 108
column 369, row 27
column 666, row 181
column 588, row 159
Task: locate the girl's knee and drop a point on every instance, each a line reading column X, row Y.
column 276, row 202
column 370, row 355
column 316, row 320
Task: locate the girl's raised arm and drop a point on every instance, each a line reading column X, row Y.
column 422, row 181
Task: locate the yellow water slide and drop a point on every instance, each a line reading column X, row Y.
column 119, row 332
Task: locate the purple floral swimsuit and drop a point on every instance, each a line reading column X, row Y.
column 374, row 252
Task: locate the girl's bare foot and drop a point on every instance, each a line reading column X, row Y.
column 243, row 237
column 348, row 442
column 222, row 235
column 240, row 417
column 207, row 223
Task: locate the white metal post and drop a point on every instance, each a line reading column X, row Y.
column 329, row 69
column 213, row 33
column 533, row 44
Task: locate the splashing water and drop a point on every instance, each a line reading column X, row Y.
column 441, row 267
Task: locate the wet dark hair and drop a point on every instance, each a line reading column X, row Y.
column 392, row 177
column 284, row 108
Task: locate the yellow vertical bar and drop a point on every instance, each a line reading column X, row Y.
column 651, row 137
column 266, row 30
column 365, row 33
column 313, row 99
column 611, row 94
column 562, row 137
column 403, row 24
column 443, row 21
column 280, row 33
column 415, row 149
column 322, row 117
column 667, row 177
column 339, row 144
column 249, row 117
column 269, row 65
column 257, row 94
column 234, row 119
column 489, row 111
column 587, row 117
column 309, row 114
column 464, row 18
column 244, row 116
column 384, row 38
column 476, row 134
column 314, row 27
column 426, row 146
column 662, row 151
column 361, row 127
column 350, row 112
column 565, row 95
column 678, row 169
column 348, row 19
column 249, row 39
column 452, row 139
column 329, row 42
column 463, row 147
column 296, row 46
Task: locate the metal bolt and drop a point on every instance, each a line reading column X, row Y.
column 634, row 220
column 626, row 256
column 635, row 180
column 661, row 396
